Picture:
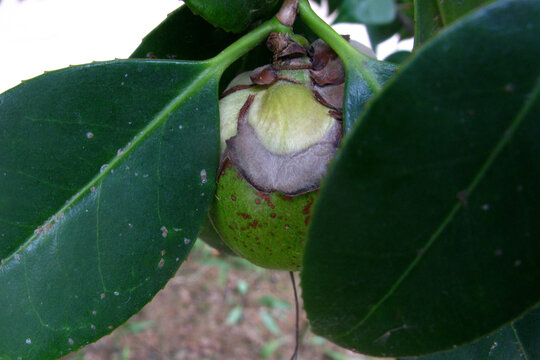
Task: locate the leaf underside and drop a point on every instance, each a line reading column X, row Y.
column 358, row 91
column 425, row 232
column 85, row 245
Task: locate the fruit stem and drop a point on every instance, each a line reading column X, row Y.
column 247, row 42
column 348, row 54
column 287, row 14
column 297, row 318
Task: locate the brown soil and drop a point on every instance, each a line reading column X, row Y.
column 215, row 307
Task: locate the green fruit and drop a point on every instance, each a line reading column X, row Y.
column 280, row 129
column 270, row 230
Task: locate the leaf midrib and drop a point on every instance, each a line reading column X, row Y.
column 531, row 97
column 159, row 119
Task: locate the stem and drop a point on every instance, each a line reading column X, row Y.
column 348, row 54
column 247, row 42
column 297, row 323
column 287, row 13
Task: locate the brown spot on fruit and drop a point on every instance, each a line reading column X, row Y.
column 307, row 208
column 244, row 215
column 265, row 197
column 285, row 197
column 254, row 224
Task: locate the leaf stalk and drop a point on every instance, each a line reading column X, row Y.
column 247, row 42
column 351, row 57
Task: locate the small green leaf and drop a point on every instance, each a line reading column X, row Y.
column 336, row 355
column 242, row 286
column 275, row 303
column 516, row 341
column 106, row 174
column 424, row 235
column 271, row 347
column 269, row 322
column 234, row 15
column 136, row 327
column 234, row 316
column 369, row 12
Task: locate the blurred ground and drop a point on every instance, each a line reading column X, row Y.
column 215, row 307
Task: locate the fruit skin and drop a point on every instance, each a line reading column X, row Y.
column 280, row 129
column 210, row 236
column 269, row 230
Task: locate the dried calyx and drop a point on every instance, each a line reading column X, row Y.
column 280, row 123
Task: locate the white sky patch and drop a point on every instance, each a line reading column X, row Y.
column 45, row 35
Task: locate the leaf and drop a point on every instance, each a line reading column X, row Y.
column 242, row 287
column 398, row 57
column 452, row 10
column 372, row 12
column 432, row 15
column 84, row 245
column 363, row 75
column 424, row 235
column 516, row 341
column 379, row 33
column 137, row 327
column 275, row 303
column 403, row 25
column 234, row 15
column 271, row 347
column 234, row 316
column 269, row 322
column 181, row 36
column 428, row 21
column 357, row 90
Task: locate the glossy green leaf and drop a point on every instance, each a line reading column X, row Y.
column 516, row 341
column 427, row 20
column 431, row 15
column 234, row 15
column 180, row 36
column 106, row 175
column 424, row 235
column 372, row 12
column 450, row 11
column 183, row 35
column 398, row 57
